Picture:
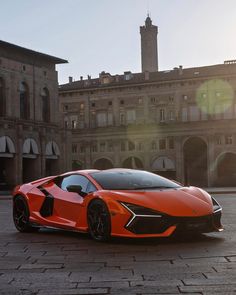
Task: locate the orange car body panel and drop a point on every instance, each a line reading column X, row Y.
column 70, row 209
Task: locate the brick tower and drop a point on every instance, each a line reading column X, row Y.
column 149, row 46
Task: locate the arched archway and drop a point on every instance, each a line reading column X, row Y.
column 195, row 162
column 164, row 166
column 226, row 170
column 103, row 164
column 132, row 163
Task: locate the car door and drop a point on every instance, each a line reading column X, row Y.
column 68, row 205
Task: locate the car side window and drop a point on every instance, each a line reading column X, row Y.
column 77, row 179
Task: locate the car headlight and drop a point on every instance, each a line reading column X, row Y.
column 140, row 211
column 216, row 205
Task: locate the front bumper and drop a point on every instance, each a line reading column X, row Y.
column 142, row 225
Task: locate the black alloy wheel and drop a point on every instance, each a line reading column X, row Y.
column 21, row 215
column 99, row 220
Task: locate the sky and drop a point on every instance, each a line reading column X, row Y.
column 103, row 35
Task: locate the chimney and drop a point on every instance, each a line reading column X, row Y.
column 70, row 79
column 180, row 70
column 117, row 78
column 81, row 78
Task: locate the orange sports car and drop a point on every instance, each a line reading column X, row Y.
column 114, row 202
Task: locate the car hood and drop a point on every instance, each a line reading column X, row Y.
column 184, row 201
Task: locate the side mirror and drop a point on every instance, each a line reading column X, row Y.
column 76, row 189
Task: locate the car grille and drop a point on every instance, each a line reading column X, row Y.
column 152, row 225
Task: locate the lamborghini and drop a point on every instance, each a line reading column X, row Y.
column 114, row 203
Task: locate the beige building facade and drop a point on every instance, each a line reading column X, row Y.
column 178, row 123
column 33, row 143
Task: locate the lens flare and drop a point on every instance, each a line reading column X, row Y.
column 215, row 97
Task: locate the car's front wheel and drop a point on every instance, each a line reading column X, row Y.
column 99, row 220
column 21, row 215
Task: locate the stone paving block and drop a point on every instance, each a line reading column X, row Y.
column 144, row 290
column 38, row 265
column 107, row 284
column 208, row 288
column 157, row 283
column 212, row 281
column 74, row 291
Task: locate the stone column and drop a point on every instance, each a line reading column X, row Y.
column 179, row 163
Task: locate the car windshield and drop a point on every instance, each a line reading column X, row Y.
column 131, row 180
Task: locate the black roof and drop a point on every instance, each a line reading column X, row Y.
column 50, row 58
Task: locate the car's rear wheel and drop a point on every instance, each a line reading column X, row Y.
column 21, row 215
column 99, row 220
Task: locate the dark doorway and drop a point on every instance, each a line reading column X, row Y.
column 195, row 162
column 103, row 164
column 226, row 170
column 29, row 169
column 6, row 173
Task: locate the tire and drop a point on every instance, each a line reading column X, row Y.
column 99, row 221
column 21, row 215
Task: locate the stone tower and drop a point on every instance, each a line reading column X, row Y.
column 149, row 46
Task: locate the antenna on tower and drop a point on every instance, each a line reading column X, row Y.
column 148, row 9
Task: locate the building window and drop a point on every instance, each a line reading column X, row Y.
column 185, row 97
column 65, row 107
column 24, row 101
column 154, row 145
column 2, row 99
column 162, row 144
column 131, row 146
column 82, row 106
column 110, row 119
column 81, row 121
column 140, row 100
column 229, row 139
column 102, row 147
column 110, row 103
column 184, row 114
column 93, row 104
column 110, row 147
column 122, row 146
column 82, row 149
column 102, row 119
column 162, row 115
column 45, row 105
column 121, row 102
column 94, row 148
column 73, row 124
column 218, row 140
column 171, row 115
column 140, row 146
column 194, row 113
column 130, row 116
column 122, row 119
column 66, row 124
column 74, row 148
column 171, row 143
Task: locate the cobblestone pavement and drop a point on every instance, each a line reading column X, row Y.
column 58, row 262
